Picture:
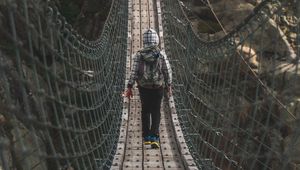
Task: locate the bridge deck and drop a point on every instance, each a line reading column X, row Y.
column 131, row 153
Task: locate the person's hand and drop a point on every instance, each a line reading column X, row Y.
column 128, row 93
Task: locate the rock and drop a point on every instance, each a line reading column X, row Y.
column 291, row 149
column 203, row 12
column 271, row 39
column 293, row 36
column 244, row 61
column 229, row 13
column 29, row 154
column 232, row 13
column 1, row 17
column 2, row 119
column 242, row 111
column 3, row 2
column 293, row 107
column 254, row 2
column 200, row 26
column 249, row 56
column 289, row 90
column 6, row 157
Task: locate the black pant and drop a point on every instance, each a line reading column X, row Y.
column 151, row 101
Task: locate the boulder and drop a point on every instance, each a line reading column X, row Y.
column 269, row 39
column 232, row 13
column 6, row 156
column 247, row 57
column 26, row 146
column 291, row 149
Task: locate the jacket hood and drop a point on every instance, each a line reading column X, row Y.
column 150, row 38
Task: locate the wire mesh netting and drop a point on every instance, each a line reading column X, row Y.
column 60, row 96
column 238, row 96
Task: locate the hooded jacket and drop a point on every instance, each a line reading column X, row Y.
column 150, row 42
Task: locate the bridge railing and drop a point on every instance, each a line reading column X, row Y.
column 238, row 96
column 60, row 102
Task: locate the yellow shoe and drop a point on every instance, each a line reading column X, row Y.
column 155, row 142
column 155, row 145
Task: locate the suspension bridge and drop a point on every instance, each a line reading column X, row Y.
column 234, row 106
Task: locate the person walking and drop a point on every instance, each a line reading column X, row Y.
column 152, row 72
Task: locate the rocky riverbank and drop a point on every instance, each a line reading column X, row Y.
column 272, row 50
column 86, row 16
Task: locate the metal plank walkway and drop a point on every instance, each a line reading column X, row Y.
column 131, row 153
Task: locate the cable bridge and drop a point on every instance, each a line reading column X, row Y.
column 235, row 102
